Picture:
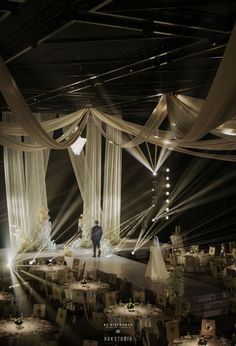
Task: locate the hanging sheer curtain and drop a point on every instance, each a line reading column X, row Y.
column 112, row 186
column 25, row 192
column 92, row 181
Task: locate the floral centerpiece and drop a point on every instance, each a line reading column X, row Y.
column 202, row 341
column 130, row 306
column 18, row 321
column 83, row 281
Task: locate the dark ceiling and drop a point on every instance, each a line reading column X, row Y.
column 116, row 55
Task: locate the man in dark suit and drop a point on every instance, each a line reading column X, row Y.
column 96, row 236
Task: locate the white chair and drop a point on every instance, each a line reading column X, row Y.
column 161, row 300
column 78, row 296
column 59, row 260
column 110, row 298
column 139, row 296
column 208, row 328
column 56, row 293
column 172, row 330
column 39, row 310
column 91, row 275
column 212, row 251
column 92, row 301
column 61, row 317
column 76, row 264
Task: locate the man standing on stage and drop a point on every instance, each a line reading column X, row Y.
column 96, row 236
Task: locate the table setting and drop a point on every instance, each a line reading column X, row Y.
column 6, row 297
column 195, row 340
column 133, row 310
column 15, row 327
column 88, row 285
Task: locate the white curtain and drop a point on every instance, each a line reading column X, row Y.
column 92, row 181
column 25, row 192
column 112, row 186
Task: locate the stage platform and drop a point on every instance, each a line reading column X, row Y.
column 206, row 299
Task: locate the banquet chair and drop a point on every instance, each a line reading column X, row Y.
column 41, row 260
column 92, row 301
column 69, row 276
column 59, row 260
column 111, row 298
column 61, row 276
column 144, row 322
column 78, row 296
column 91, row 275
column 67, row 301
column 172, row 330
column 189, row 264
column 139, row 296
column 90, row 343
column 208, row 328
column 98, row 320
column 51, row 276
column 39, row 310
column 76, row 264
column 61, row 317
column 111, row 280
column 82, row 271
column 161, row 301
column 56, row 293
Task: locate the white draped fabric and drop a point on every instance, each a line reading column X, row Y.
column 156, row 268
column 112, row 187
column 92, row 181
column 26, row 194
column 24, row 116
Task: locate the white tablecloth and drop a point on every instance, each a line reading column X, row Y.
column 143, row 315
column 192, row 340
column 90, row 286
column 6, row 297
column 30, row 326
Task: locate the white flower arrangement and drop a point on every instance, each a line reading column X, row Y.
column 68, row 251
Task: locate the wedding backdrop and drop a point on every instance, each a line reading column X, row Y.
column 203, row 128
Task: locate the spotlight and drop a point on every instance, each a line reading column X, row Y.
column 153, row 190
column 167, row 217
column 153, row 220
column 154, row 173
column 9, row 264
column 167, row 209
column 167, row 185
column 167, row 193
column 132, row 253
column 32, row 262
column 167, row 201
column 167, row 169
column 167, row 178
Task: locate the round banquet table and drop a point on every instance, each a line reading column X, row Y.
column 90, row 286
column 43, row 269
column 192, row 340
column 6, row 297
column 142, row 315
column 30, row 326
